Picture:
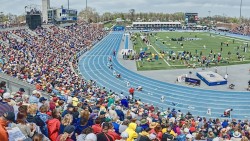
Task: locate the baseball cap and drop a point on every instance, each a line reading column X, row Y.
column 21, row 90
column 34, row 92
column 102, row 113
column 70, row 106
column 42, row 99
column 9, row 116
column 189, row 136
column 6, row 96
column 69, row 129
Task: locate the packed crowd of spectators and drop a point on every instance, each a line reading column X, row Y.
column 80, row 110
column 242, row 29
column 98, row 114
column 44, row 59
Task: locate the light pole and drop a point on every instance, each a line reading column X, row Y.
column 1, row 17
column 86, row 4
column 68, row 4
column 87, row 10
column 224, row 16
column 240, row 9
column 209, row 18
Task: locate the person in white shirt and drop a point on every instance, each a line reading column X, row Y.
column 226, row 76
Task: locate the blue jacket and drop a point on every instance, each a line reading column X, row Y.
column 124, row 102
column 224, row 124
column 144, row 126
column 116, row 127
column 181, row 137
column 120, row 114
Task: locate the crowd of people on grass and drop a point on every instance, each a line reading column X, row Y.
column 79, row 110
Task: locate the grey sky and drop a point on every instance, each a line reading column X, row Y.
column 217, row 7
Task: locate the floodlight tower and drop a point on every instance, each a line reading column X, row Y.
column 240, row 11
column 45, row 7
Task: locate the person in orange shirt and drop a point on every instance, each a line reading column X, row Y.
column 131, row 92
column 7, row 118
column 38, row 87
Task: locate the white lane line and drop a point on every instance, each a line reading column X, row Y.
column 159, row 54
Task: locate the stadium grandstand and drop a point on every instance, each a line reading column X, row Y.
column 156, row 25
column 47, row 92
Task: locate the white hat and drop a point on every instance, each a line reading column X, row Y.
column 6, row 96
column 152, row 136
column 34, row 92
column 186, row 130
column 91, row 137
column 189, row 136
column 69, row 99
column 124, row 134
column 216, row 139
column 236, row 134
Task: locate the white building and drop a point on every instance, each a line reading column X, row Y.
column 45, row 7
column 156, row 25
column 62, row 15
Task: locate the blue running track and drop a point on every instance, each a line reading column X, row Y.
column 93, row 65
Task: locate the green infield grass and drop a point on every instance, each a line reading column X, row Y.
column 199, row 45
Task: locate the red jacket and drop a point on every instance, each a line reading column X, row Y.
column 114, row 135
column 3, row 131
column 53, row 128
column 97, row 128
column 52, row 106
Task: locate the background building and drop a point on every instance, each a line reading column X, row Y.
column 57, row 15
column 156, row 25
column 62, row 15
column 45, row 7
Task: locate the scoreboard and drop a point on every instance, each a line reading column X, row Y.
column 191, row 18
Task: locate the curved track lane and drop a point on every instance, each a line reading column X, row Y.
column 93, row 66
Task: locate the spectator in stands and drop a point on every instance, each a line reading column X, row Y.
column 54, row 125
column 112, row 132
column 5, row 119
column 69, row 110
column 21, row 91
column 35, row 97
column 41, row 102
column 67, row 133
column 131, row 131
column 4, row 105
column 104, row 136
column 67, row 120
column 3, row 87
column 236, row 136
column 27, row 129
column 32, row 116
column 124, row 136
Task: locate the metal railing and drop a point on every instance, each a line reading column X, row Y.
column 13, row 84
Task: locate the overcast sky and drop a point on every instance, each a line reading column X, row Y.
column 217, row 7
